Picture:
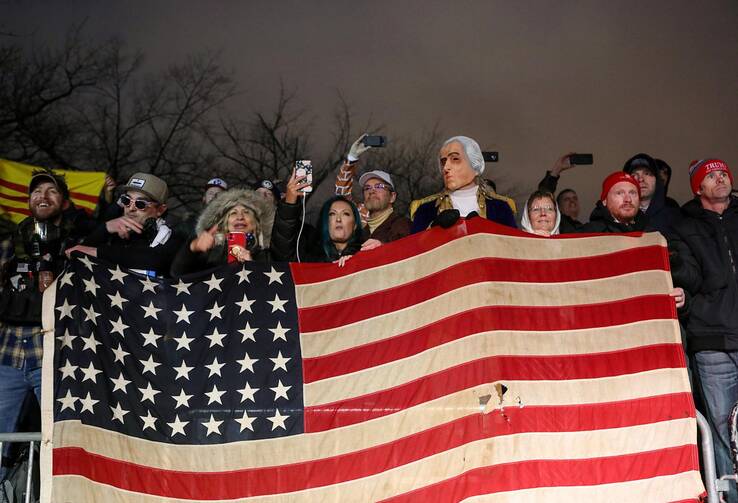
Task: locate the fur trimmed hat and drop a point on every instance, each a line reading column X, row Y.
column 263, row 210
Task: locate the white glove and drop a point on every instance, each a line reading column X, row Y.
column 357, row 148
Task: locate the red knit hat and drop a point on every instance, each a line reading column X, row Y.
column 617, row 177
column 698, row 170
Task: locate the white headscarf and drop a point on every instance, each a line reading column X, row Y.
column 525, row 220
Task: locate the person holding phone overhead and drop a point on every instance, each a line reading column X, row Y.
column 337, row 236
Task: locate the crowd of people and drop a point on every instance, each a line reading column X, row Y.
column 134, row 232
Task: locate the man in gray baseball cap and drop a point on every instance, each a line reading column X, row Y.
column 383, row 224
column 141, row 239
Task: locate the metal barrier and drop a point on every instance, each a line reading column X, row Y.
column 32, row 439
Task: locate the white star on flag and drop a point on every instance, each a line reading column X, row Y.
column 278, row 420
column 117, row 300
column 215, row 395
column 88, row 404
column 245, row 304
column 90, row 373
column 120, row 383
column 280, row 362
column 66, row 339
column 277, row 304
column 183, row 399
column 212, row 425
column 87, row 262
column 279, row 332
column 182, row 287
column 117, row 275
column 243, row 275
column 148, row 421
column 65, row 310
column 67, row 401
column 120, row 354
column 215, row 367
column 213, row 283
column 177, row 426
column 150, row 310
column 66, row 279
column 90, row 343
column 148, row 393
column 150, row 337
column 118, row 413
column 118, row 326
column 216, row 338
column 248, row 333
column 280, row 391
column 149, row 365
column 247, row 393
column 91, row 286
column 183, row 371
column 274, row 276
column 148, row 285
column 245, row 421
column 183, row 314
column 68, row 370
column 183, row 342
column 215, row 311
column 90, row 314
column 247, row 363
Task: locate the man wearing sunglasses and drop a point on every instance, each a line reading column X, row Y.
column 140, row 239
column 382, row 225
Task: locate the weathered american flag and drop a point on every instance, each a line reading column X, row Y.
column 468, row 364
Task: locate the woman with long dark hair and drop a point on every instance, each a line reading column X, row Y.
column 338, row 234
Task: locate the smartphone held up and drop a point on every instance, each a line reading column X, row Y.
column 374, row 141
column 304, row 168
column 581, row 159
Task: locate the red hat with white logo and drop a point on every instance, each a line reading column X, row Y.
column 618, row 177
column 698, row 170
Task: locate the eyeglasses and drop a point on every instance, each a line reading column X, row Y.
column 541, row 209
column 140, row 204
column 377, row 187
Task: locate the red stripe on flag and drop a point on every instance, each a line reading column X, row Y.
column 10, row 209
column 487, row 370
column 479, row 271
column 23, row 189
column 483, row 319
column 367, row 462
column 81, row 196
column 416, row 244
column 552, row 473
column 18, row 199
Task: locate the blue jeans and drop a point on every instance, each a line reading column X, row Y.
column 718, row 377
column 14, row 385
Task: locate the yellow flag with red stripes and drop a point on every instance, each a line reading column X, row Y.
column 84, row 188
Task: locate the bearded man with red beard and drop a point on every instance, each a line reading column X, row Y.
column 618, row 209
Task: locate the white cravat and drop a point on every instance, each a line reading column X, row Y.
column 465, row 200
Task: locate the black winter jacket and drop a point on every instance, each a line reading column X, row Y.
column 135, row 253
column 662, row 217
column 284, row 244
column 601, row 221
column 706, row 248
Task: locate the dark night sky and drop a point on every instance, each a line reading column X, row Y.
column 533, row 79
